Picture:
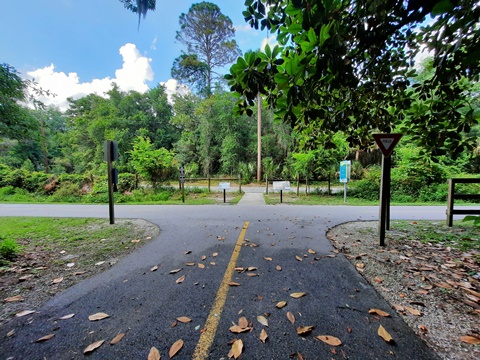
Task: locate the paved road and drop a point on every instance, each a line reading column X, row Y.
column 144, row 304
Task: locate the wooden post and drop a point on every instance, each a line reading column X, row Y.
column 208, row 182
column 110, row 183
column 451, row 191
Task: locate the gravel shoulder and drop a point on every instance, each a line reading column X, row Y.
column 434, row 288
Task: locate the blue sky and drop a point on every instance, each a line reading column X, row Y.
column 73, row 46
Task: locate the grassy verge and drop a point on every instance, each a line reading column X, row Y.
column 54, row 254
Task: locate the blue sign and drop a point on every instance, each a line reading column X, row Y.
column 345, row 167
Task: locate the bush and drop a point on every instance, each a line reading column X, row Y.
column 9, row 249
column 126, row 182
column 66, row 192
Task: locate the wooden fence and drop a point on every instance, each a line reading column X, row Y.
column 452, row 196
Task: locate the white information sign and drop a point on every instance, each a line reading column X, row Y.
column 224, row 185
column 281, row 185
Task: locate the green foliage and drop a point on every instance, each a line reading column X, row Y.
column 9, row 249
column 154, row 165
column 208, row 36
column 347, row 66
column 66, row 192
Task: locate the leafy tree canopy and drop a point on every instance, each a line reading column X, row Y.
column 208, row 36
column 346, row 65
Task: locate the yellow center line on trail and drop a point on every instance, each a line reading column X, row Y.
column 211, row 325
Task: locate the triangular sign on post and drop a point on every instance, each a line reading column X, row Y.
column 387, row 142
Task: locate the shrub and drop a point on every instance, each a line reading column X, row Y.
column 66, row 192
column 9, row 249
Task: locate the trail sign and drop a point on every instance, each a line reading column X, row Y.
column 387, row 142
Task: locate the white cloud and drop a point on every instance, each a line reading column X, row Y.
column 135, row 71
column 172, row 87
column 153, row 46
column 270, row 41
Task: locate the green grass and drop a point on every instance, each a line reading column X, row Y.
column 93, row 239
column 462, row 235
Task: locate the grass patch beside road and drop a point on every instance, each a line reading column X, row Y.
column 56, row 253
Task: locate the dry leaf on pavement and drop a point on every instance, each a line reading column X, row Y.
column 378, row 312
column 117, row 338
column 262, row 320
column 236, row 349
column 281, row 304
column 291, row 317
column 304, row 330
column 180, row 279
column 263, row 336
column 184, row 319
column 330, row 340
column 45, row 338
column 298, row 295
column 176, row 347
column 384, row 334
column 66, row 317
column 93, row 346
column 14, row 298
column 98, row 316
column 470, row 339
column 154, row 354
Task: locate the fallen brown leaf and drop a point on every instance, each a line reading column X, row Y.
column 378, row 312
column 311, row 251
column 201, row 266
column 291, row 317
column 304, row 330
column 174, row 271
column 14, row 298
column 190, row 264
column 154, row 354
column 233, row 283
column 184, row 319
column 263, row 336
column 98, row 316
column 267, row 258
column 45, row 338
column 243, row 322
column 262, row 320
column 93, row 346
column 470, row 339
column 66, row 317
column 176, row 347
column 236, row 329
column 117, row 338
column 24, row 313
column 279, row 268
column 281, row 304
column 384, row 334
column 330, row 340
column 180, row 279
column 57, row 280
column 298, row 258
column 298, row 295
column 413, row 311
column 236, row 349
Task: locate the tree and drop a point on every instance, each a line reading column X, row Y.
column 14, row 119
column 140, row 7
column 208, row 36
column 345, row 66
column 154, row 165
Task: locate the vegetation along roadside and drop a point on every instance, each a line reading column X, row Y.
column 40, row 257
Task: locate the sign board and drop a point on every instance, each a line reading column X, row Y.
column 224, row 185
column 281, row 185
column 387, row 142
column 182, row 175
column 113, row 150
column 345, row 170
